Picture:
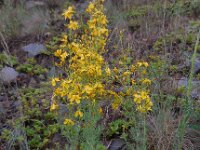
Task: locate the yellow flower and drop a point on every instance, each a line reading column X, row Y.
column 117, row 102
column 73, row 25
column 100, row 110
column 54, row 80
column 143, row 72
column 78, row 113
column 133, row 81
column 75, row 98
column 142, row 63
column 68, row 122
column 127, row 73
column 68, row 13
column 92, row 23
column 59, row 64
column 112, row 93
column 54, row 106
column 98, row 71
column 104, row 20
column 58, row 53
column 146, row 81
column 105, row 32
column 108, row 72
column 63, row 56
column 58, row 91
column 90, row 8
column 128, row 92
column 64, row 39
column 145, row 64
column 139, row 64
column 143, row 101
column 133, row 68
column 74, row 47
column 88, row 89
column 99, row 88
column 67, row 81
column 84, row 80
column 115, row 106
column 95, row 32
column 116, row 70
column 121, row 62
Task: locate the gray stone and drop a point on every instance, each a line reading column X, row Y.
column 186, row 63
column 36, row 22
column 2, row 110
column 195, row 93
column 183, row 82
column 34, row 4
column 52, row 72
column 34, row 49
column 197, row 65
column 8, row 74
column 117, row 144
column 17, row 104
column 2, row 98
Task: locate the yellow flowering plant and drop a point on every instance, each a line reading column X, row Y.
column 87, row 71
column 89, row 78
column 81, row 49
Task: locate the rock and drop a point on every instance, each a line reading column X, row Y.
column 2, row 110
column 117, row 144
column 34, row 49
column 186, row 63
column 52, row 72
column 195, row 93
column 36, row 22
column 183, row 82
column 8, row 74
column 197, row 66
column 17, row 104
column 34, row 4
column 2, row 98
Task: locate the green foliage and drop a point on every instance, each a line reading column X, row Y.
column 31, row 67
column 184, row 8
column 7, row 60
column 40, row 123
column 117, row 127
column 53, row 44
column 188, row 103
column 136, row 12
column 87, row 134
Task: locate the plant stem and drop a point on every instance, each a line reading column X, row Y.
column 188, row 105
column 145, row 132
column 4, row 44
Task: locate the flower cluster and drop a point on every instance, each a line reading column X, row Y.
column 143, row 101
column 85, row 72
column 133, row 84
column 88, row 76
